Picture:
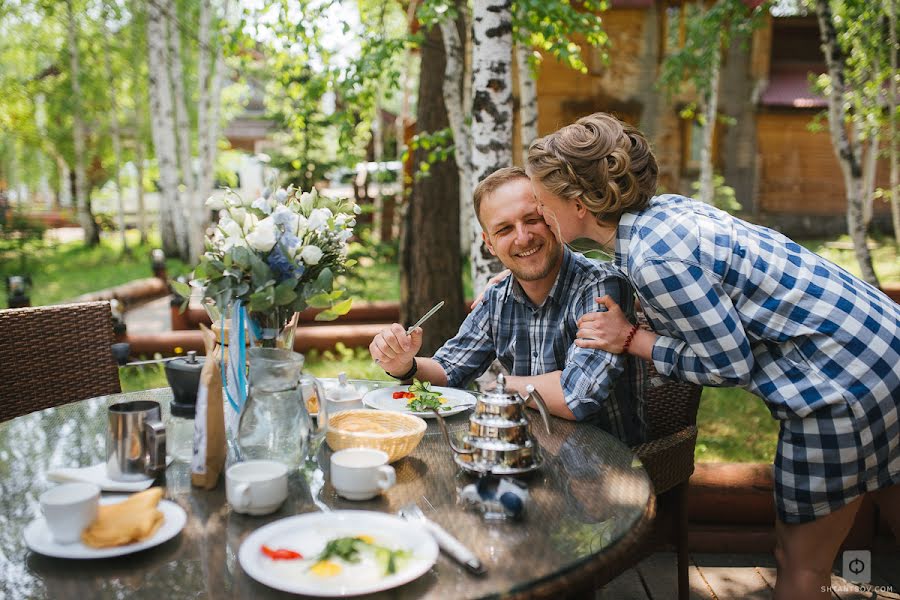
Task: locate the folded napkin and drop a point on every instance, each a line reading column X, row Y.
column 132, row 520
column 97, row 474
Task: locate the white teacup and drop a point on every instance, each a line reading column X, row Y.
column 361, row 473
column 68, row 509
column 256, row 487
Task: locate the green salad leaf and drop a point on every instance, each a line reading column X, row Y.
column 425, row 399
column 348, row 548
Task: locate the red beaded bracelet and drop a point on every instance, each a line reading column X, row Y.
column 628, row 339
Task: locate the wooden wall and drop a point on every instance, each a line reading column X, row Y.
column 798, row 171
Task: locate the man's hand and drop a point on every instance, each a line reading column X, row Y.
column 492, row 281
column 605, row 330
column 394, row 350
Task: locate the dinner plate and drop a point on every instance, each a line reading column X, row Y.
column 308, row 534
column 382, row 399
column 38, row 538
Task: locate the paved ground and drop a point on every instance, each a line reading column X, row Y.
column 151, row 317
column 738, row 576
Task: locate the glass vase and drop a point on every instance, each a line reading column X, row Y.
column 273, row 328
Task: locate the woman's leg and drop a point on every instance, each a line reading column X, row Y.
column 805, row 553
column 888, row 501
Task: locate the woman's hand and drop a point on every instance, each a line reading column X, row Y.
column 492, row 281
column 604, row 330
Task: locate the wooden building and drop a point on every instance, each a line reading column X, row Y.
column 784, row 174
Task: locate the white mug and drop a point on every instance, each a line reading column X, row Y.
column 361, row 473
column 256, row 487
column 68, row 509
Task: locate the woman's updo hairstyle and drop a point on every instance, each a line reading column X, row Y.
column 600, row 161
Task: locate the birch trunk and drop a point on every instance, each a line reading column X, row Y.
column 707, row 184
column 162, row 125
column 528, row 104
column 892, row 114
column 187, row 190
column 205, row 174
column 140, row 120
column 85, row 219
column 492, row 115
column 378, row 152
column 870, row 166
column 847, row 152
column 114, row 130
column 455, row 101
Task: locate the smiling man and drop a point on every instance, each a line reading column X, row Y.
column 529, row 320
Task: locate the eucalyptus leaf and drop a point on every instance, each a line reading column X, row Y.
column 322, row 300
column 327, row 315
column 181, row 288
column 325, row 280
column 284, row 292
column 263, row 300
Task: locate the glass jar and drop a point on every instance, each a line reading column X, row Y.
column 180, row 436
column 274, row 423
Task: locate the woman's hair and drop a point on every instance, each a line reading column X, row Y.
column 605, row 164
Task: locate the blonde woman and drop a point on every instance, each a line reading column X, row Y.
column 736, row 304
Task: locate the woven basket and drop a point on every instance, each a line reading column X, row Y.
column 395, row 433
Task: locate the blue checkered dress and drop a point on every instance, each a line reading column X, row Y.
column 741, row 305
column 533, row 340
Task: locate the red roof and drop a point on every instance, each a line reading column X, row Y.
column 789, row 86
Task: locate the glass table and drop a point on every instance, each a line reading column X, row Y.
column 591, row 501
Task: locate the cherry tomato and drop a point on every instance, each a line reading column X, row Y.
column 398, row 395
column 280, row 554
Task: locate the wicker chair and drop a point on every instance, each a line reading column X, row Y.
column 54, row 355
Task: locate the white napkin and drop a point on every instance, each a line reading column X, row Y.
column 97, row 474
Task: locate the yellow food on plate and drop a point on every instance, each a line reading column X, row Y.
column 325, row 568
column 129, row 521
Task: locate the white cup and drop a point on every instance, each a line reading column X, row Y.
column 68, row 509
column 361, row 473
column 256, row 487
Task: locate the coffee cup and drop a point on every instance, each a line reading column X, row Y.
column 135, row 441
column 361, row 473
column 68, row 509
column 256, row 487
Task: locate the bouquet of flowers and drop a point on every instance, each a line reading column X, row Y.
column 277, row 255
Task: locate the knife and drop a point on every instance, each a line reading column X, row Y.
column 447, row 543
column 425, row 317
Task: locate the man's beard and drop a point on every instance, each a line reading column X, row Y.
column 554, row 255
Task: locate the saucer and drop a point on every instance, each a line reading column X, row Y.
column 38, row 538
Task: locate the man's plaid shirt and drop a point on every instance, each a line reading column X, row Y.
column 533, row 340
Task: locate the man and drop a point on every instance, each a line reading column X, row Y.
column 528, row 321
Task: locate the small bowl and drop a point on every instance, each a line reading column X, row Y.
column 396, row 433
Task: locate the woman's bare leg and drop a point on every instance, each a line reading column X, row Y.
column 805, row 553
column 888, row 501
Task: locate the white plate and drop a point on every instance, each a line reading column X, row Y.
column 309, row 533
column 382, row 399
column 37, row 535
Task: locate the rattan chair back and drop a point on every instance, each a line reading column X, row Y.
column 669, row 405
column 53, row 355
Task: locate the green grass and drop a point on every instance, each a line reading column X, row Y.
column 885, row 256
column 734, row 426
column 62, row 271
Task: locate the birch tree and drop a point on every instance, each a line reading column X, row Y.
column 82, row 199
column 847, row 150
column 162, row 125
column 709, row 31
column 114, row 125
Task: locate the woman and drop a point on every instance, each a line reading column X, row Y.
column 736, row 304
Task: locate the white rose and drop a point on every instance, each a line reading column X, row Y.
column 230, row 229
column 215, row 203
column 262, row 238
column 250, row 222
column 306, row 201
column 302, row 226
column 311, row 255
column 237, row 214
column 318, row 219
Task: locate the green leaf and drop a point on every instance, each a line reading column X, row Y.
column 327, row 315
column 325, row 280
column 241, row 257
column 322, row 300
column 342, row 308
column 263, row 300
column 284, row 292
column 181, row 288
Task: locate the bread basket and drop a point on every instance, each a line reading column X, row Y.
column 395, row 433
